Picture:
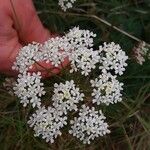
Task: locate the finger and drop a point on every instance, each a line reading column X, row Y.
column 27, row 23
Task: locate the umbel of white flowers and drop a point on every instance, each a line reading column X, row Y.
column 47, row 123
column 66, row 96
column 77, row 45
column 89, row 125
column 107, row 89
column 66, row 4
column 29, row 89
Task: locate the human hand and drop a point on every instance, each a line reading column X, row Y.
column 20, row 25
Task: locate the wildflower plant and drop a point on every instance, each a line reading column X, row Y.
column 69, row 102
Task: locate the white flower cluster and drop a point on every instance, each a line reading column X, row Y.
column 107, row 89
column 66, row 4
column 27, row 56
column 84, row 59
column 112, row 58
column 82, row 56
column 77, row 46
column 55, row 50
column 89, row 125
column 66, row 96
column 80, row 38
column 29, row 89
column 47, row 123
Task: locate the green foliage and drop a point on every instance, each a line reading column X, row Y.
column 129, row 120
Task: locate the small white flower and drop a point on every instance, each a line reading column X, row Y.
column 112, row 58
column 47, row 123
column 107, row 89
column 29, row 89
column 89, row 125
column 66, row 96
column 66, row 4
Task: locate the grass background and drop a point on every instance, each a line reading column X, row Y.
column 129, row 120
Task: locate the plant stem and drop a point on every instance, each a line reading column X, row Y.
column 98, row 19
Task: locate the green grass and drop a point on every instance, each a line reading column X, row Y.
column 129, row 120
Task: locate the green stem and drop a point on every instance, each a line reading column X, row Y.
column 99, row 20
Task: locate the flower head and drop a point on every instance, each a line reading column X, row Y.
column 89, row 125
column 112, row 58
column 82, row 56
column 47, row 123
column 107, row 89
column 84, row 59
column 80, row 38
column 29, row 89
column 27, row 56
column 77, row 46
column 66, row 96
column 55, row 50
column 66, row 4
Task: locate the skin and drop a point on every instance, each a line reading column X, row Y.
column 20, row 25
